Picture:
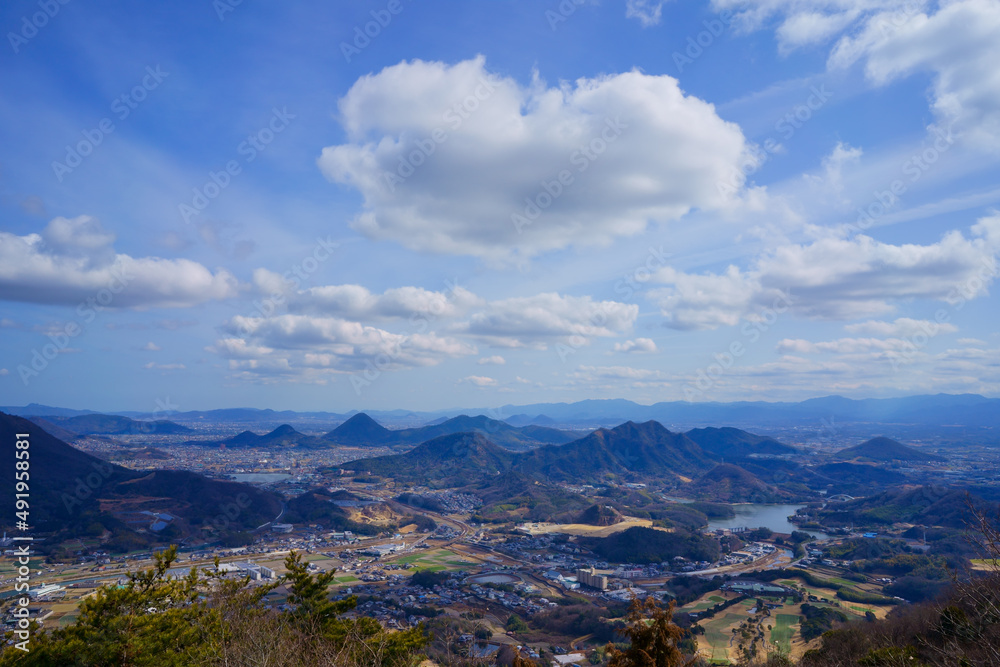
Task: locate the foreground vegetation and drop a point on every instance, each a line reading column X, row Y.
column 205, row 620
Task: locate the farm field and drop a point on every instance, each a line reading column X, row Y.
column 434, row 560
column 586, row 529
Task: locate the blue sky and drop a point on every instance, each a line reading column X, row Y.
column 210, row 205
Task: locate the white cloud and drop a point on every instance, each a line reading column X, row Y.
column 151, row 347
column 646, row 345
column 662, row 154
column 237, row 348
column 325, row 340
column 902, row 327
column 807, row 21
column 620, row 373
column 974, row 342
column 810, row 27
column 164, row 367
column 958, row 45
column 835, row 278
column 705, row 301
column 355, row 302
column 842, row 346
column 538, row 320
column 616, row 378
column 495, row 360
column 648, row 12
column 3, row 371
column 302, row 344
column 73, row 260
column 833, row 167
column 479, row 381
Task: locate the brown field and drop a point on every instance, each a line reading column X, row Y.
column 588, row 530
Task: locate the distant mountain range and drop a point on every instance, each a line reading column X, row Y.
column 98, row 424
column 969, row 410
column 946, row 409
column 363, row 431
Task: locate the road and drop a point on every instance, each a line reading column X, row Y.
column 275, row 519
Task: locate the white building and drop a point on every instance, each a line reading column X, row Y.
column 44, row 591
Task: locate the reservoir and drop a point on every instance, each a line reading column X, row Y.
column 752, row 515
column 494, row 578
column 260, row 477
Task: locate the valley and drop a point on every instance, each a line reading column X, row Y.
column 759, row 543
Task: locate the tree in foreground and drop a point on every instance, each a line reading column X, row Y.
column 206, row 620
column 653, row 635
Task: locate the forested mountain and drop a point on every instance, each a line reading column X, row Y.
column 75, row 493
column 886, row 449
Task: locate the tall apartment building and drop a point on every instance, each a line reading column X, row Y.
column 591, row 578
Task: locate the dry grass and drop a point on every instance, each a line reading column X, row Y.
column 588, row 530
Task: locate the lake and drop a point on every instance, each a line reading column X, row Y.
column 260, row 477
column 752, row 515
column 495, row 578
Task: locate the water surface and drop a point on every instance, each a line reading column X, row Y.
column 754, row 515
